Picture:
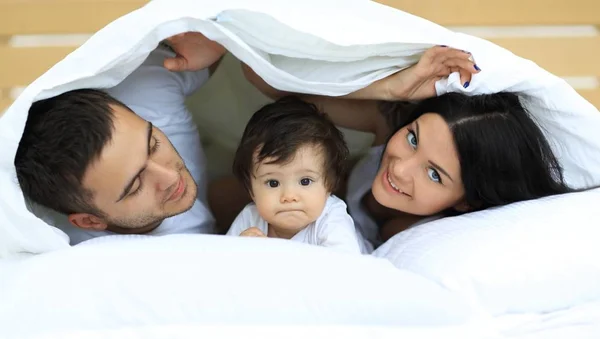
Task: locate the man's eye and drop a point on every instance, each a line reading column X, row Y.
column 155, row 146
column 137, row 190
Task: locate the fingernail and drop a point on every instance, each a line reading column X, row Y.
column 466, row 52
column 466, row 84
column 443, row 46
column 477, row 68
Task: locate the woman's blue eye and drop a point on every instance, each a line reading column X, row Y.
column 273, row 183
column 412, row 139
column 433, row 175
column 305, row 181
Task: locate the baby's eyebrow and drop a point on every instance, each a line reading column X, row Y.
column 308, row 170
column 267, row 174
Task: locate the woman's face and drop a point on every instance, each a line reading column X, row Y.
column 420, row 172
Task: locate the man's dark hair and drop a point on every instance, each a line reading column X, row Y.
column 279, row 129
column 63, row 136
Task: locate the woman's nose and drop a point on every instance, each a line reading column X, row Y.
column 404, row 169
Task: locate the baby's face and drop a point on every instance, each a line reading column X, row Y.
column 291, row 196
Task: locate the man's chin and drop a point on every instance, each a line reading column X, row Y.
column 134, row 230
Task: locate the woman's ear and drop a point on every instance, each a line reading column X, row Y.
column 463, row 207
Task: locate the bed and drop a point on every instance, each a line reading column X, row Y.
column 449, row 278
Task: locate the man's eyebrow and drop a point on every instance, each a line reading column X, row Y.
column 149, row 137
column 433, row 164
column 132, row 180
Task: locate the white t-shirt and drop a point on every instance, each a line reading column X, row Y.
column 158, row 95
column 334, row 228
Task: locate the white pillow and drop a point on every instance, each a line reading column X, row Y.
column 142, row 282
column 536, row 256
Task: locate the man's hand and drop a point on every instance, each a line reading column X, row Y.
column 418, row 81
column 194, row 52
column 253, row 232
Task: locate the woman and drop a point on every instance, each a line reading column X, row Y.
column 446, row 155
column 450, row 155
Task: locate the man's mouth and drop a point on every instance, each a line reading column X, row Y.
column 178, row 191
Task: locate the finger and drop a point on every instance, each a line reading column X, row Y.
column 446, row 52
column 452, row 54
column 465, row 65
column 175, row 64
column 247, row 233
column 175, row 37
column 439, row 65
column 466, row 68
column 252, row 232
column 449, row 58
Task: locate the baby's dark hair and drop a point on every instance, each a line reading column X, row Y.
column 279, row 129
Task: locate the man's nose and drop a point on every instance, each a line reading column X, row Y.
column 165, row 177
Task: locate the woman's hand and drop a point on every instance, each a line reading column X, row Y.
column 253, row 232
column 194, row 52
column 418, row 81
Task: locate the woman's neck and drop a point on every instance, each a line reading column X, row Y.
column 390, row 221
column 377, row 211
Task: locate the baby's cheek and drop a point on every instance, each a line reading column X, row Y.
column 265, row 208
column 316, row 208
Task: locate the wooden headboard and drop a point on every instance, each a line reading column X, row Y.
column 569, row 45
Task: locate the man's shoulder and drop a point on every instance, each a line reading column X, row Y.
column 197, row 219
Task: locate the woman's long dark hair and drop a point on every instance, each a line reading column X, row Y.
column 504, row 156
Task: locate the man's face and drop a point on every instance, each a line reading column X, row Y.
column 139, row 178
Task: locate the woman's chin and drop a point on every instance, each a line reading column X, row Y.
column 385, row 199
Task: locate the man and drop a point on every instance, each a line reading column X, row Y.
column 126, row 160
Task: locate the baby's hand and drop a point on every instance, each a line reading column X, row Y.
column 253, row 232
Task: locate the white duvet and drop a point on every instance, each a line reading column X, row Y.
column 439, row 280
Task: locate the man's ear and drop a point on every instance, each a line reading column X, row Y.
column 87, row 221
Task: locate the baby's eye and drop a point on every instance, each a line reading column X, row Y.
column 412, row 139
column 305, row 181
column 434, row 175
column 273, row 183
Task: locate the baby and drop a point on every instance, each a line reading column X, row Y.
column 290, row 159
